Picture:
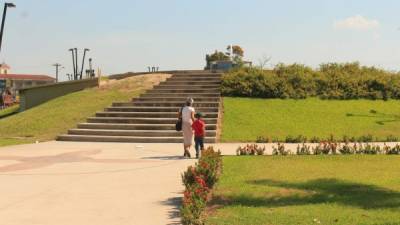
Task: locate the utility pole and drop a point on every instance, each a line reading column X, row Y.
column 57, row 65
column 6, row 5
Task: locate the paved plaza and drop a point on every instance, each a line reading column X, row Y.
column 90, row 183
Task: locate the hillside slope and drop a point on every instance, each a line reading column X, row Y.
column 46, row 121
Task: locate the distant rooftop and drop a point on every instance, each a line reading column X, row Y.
column 26, row 77
column 4, row 66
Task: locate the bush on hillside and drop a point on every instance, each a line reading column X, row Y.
column 330, row 81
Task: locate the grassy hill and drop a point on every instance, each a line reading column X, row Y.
column 245, row 119
column 46, row 121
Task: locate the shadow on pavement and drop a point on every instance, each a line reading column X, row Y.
column 173, row 214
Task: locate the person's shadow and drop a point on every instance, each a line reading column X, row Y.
column 34, row 162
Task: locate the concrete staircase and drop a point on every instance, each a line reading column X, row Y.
column 151, row 117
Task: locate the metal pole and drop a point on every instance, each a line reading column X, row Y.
column 76, row 64
column 57, row 65
column 90, row 67
column 83, row 60
column 73, row 62
column 6, row 5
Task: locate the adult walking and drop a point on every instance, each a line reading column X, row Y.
column 186, row 114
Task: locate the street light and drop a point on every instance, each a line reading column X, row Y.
column 76, row 63
column 83, row 60
column 6, row 5
column 73, row 61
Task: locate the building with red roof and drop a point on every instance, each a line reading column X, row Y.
column 15, row 82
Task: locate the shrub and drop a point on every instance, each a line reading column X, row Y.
column 280, row 150
column 330, row 81
column 392, row 138
column 366, row 138
column 392, row 151
column 198, row 181
column 297, row 139
column 303, row 150
column 325, row 148
column 263, row 139
column 315, row 140
column 250, row 149
column 346, row 149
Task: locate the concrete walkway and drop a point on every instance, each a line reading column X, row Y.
column 94, row 183
column 91, row 183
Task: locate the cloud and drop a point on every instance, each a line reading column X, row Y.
column 357, row 22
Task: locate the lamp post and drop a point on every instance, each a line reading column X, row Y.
column 73, row 63
column 6, row 5
column 76, row 64
column 83, row 59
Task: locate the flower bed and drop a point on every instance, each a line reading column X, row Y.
column 323, row 148
column 199, row 181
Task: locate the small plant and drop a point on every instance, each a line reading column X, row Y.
column 368, row 149
column 280, row 150
column 353, row 139
column 290, row 139
column 392, row 138
column 331, row 138
column 263, row 139
column 317, row 150
column 315, row 140
column 250, row 149
column 392, row 151
column 303, row 149
column 366, row 138
column 297, row 139
column 325, row 148
column 346, row 149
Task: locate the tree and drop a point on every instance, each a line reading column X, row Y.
column 237, row 53
column 216, row 56
column 263, row 61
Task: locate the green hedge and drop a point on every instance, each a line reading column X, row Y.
column 329, row 81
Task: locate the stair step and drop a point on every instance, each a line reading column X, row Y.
column 169, row 82
column 148, row 114
column 205, row 75
column 174, row 99
column 125, row 139
column 133, row 133
column 156, row 109
column 194, row 79
column 167, row 104
column 193, row 95
column 119, row 126
column 138, row 120
column 187, row 87
column 185, row 90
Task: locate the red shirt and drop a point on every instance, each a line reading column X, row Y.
column 199, row 128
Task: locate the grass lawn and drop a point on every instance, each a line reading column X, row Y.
column 9, row 111
column 245, row 119
column 308, row 190
column 47, row 120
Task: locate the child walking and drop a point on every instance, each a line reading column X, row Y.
column 199, row 128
